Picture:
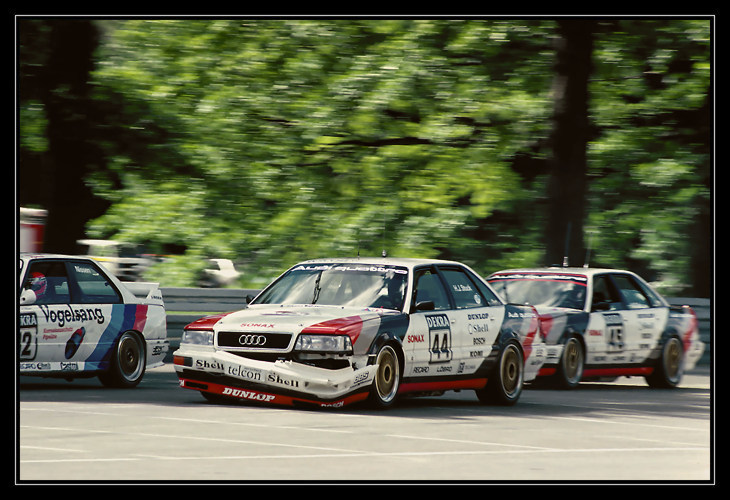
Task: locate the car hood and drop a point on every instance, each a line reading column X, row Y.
column 295, row 318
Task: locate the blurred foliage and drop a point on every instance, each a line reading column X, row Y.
column 272, row 141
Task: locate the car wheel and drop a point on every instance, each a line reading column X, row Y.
column 670, row 366
column 387, row 378
column 127, row 362
column 570, row 369
column 505, row 385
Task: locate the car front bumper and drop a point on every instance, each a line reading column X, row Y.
column 281, row 382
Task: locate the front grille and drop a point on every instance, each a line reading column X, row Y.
column 269, row 357
column 254, row 340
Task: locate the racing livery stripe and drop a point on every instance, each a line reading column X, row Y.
column 531, row 334
column 617, row 372
column 140, row 318
column 444, row 385
column 352, row 325
column 691, row 329
column 124, row 317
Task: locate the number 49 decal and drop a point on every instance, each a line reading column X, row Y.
column 27, row 336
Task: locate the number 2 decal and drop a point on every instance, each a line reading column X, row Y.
column 27, row 336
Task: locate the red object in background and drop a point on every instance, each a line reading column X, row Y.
column 32, row 225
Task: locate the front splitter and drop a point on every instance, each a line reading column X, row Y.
column 259, row 396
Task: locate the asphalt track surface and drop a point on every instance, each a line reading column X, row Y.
column 621, row 432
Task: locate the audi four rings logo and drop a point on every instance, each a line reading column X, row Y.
column 252, row 340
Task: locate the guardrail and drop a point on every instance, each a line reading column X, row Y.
column 185, row 305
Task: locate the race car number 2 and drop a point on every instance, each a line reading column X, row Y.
column 28, row 335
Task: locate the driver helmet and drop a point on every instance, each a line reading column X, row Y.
column 38, row 284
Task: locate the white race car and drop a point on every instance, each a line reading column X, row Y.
column 603, row 323
column 77, row 320
column 336, row 331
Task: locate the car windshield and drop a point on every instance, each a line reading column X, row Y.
column 360, row 285
column 542, row 289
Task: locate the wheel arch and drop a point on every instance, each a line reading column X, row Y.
column 392, row 340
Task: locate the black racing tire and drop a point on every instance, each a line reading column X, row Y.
column 505, row 384
column 128, row 362
column 670, row 367
column 572, row 361
column 384, row 391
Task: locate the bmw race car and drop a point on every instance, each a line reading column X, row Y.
column 337, row 331
column 603, row 323
column 77, row 320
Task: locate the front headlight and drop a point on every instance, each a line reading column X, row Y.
column 324, row 344
column 197, row 337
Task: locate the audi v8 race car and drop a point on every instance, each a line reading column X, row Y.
column 603, row 323
column 337, row 331
column 77, row 320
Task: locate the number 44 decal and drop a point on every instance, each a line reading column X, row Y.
column 439, row 337
column 441, row 347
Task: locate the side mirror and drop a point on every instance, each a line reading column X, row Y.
column 426, row 305
column 27, row 297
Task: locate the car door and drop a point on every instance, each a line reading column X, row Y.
column 429, row 340
column 476, row 317
column 643, row 316
column 70, row 310
column 44, row 324
column 605, row 340
column 625, row 321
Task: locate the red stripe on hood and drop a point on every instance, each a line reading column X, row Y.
column 350, row 325
column 206, row 322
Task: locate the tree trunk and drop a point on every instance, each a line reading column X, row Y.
column 566, row 188
column 68, row 106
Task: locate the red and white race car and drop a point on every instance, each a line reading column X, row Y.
column 603, row 323
column 336, row 331
column 78, row 320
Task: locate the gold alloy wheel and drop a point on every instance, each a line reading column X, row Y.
column 387, row 378
column 511, row 370
column 573, row 361
column 673, row 359
column 669, row 369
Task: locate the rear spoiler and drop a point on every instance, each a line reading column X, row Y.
column 148, row 292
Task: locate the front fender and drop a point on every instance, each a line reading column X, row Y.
column 380, row 341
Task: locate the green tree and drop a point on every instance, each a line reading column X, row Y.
column 270, row 141
column 650, row 162
column 309, row 138
column 57, row 117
